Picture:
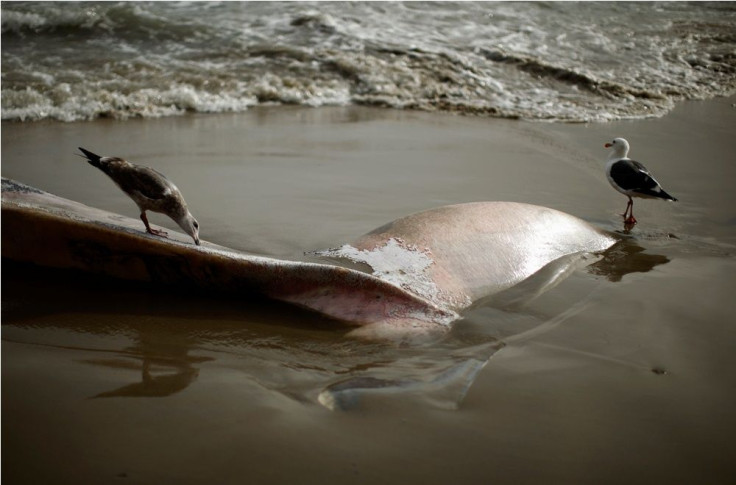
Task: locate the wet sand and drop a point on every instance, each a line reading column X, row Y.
column 621, row 374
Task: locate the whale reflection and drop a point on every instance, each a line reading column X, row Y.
column 278, row 348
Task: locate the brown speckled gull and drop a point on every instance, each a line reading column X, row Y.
column 150, row 190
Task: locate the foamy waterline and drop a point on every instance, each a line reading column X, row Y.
column 539, row 61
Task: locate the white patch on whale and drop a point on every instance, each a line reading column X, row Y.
column 399, row 263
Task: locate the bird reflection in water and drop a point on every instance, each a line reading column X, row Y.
column 623, row 258
column 164, row 370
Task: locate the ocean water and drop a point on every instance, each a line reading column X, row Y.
column 540, row 61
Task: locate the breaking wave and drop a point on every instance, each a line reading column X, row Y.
column 540, row 61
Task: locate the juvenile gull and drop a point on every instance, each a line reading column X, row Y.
column 150, row 190
column 631, row 178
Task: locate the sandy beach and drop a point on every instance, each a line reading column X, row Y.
column 624, row 373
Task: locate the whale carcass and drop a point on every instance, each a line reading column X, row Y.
column 414, row 274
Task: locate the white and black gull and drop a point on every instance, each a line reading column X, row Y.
column 150, row 190
column 631, row 178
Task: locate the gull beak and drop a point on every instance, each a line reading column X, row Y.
column 608, row 145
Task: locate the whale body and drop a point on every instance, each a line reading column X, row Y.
column 414, row 274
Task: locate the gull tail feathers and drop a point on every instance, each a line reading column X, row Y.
column 667, row 196
column 661, row 194
column 92, row 158
column 654, row 193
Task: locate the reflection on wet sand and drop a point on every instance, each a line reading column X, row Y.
column 624, row 258
column 164, row 384
column 167, row 338
column 170, row 336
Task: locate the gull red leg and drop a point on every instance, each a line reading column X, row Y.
column 155, row 232
column 630, row 211
column 628, row 206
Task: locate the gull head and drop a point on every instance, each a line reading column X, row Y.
column 190, row 225
column 620, row 148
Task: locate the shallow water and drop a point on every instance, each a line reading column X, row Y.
column 622, row 373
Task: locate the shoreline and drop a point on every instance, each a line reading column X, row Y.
column 677, row 105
